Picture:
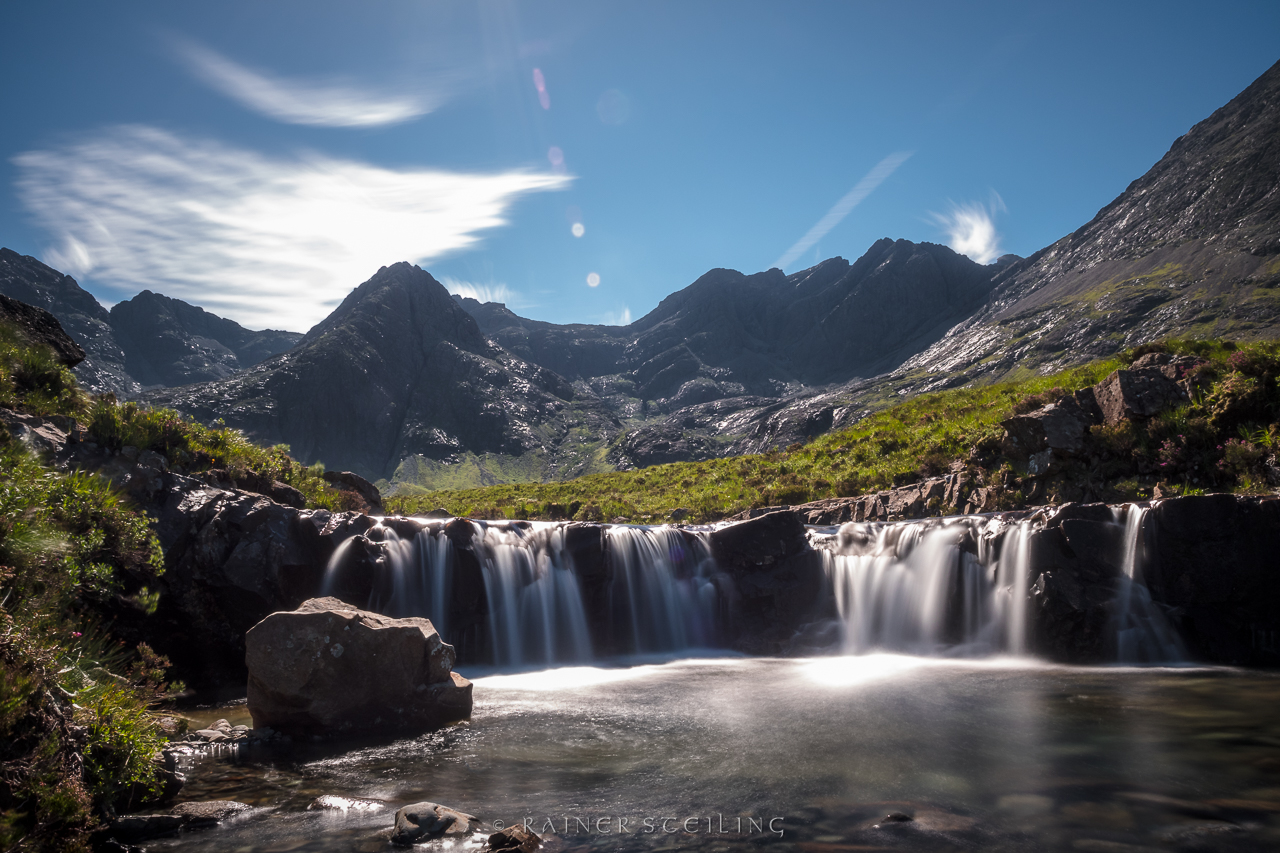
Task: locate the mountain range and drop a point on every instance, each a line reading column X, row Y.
column 148, row 341
column 407, row 384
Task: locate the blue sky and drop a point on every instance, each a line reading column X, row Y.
column 261, row 159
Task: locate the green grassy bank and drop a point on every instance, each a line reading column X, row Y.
column 1217, row 441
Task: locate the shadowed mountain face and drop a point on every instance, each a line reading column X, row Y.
column 1192, row 248
column 88, row 323
column 730, row 334
column 148, row 340
column 169, row 342
column 398, row 370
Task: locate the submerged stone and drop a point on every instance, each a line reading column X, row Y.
column 427, row 821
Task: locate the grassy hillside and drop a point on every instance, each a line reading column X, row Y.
column 79, row 734
column 1220, row 440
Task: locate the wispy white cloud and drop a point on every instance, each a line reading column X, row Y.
column 302, row 101
column 971, row 228
column 481, row 292
column 265, row 241
column 617, row 318
column 852, row 199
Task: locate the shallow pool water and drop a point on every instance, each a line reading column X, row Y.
column 811, row 754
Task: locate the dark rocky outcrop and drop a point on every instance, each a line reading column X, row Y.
column 1212, row 560
column 1060, row 427
column 777, row 579
column 367, row 494
column 88, row 323
column 38, row 326
column 330, row 668
column 1135, row 395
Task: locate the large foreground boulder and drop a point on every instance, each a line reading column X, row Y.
column 329, row 668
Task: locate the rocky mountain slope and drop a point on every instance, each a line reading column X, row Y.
column 399, row 371
column 149, row 340
column 1191, row 249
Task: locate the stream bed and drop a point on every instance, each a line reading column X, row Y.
column 798, row 754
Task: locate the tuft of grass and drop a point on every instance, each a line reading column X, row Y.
column 191, row 446
column 33, row 380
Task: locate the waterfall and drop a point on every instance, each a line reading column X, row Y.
column 663, row 595
column 1143, row 633
column 519, row 593
column 939, row 586
column 536, row 613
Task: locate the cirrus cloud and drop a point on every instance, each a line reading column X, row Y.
column 300, row 101
column 971, row 228
column 480, row 292
column 266, row 241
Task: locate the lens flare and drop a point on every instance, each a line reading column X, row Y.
column 540, row 83
column 555, row 156
column 613, row 108
column 593, row 279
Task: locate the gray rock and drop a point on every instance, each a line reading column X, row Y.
column 328, row 667
column 40, row 435
column 427, row 821
column 1137, row 394
column 1060, row 427
column 514, row 839
column 208, row 813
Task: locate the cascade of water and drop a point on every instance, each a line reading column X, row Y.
column 663, row 596
column 332, row 569
column 953, row 586
column 535, row 604
column 1013, row 571
column 420, row 581
column 1143, row 633
column 932, row 587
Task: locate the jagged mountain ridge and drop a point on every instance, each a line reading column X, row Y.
column 730, row 334
column 728, row 364
column 149, row 340
column 169, row 342
column 1191, row 248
